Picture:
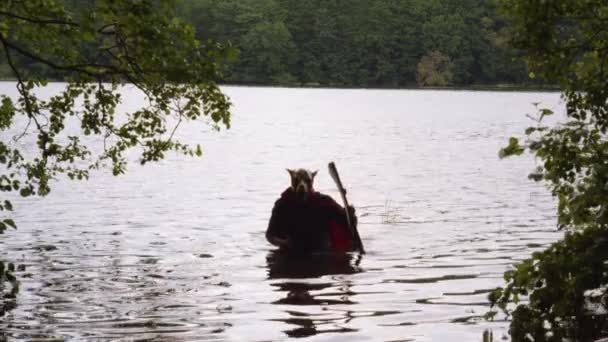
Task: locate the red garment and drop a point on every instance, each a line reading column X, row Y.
column 340, row 238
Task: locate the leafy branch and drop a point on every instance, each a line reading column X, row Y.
column 125, row 42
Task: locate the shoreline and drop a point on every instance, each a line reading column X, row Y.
column 499, row 87
column 479, row 87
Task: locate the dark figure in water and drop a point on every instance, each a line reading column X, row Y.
column 305, row 221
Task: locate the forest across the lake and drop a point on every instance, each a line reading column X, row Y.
column 350, row 43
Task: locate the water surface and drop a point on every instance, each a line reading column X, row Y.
column 176, row 251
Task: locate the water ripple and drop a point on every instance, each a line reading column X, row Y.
column 176, row 251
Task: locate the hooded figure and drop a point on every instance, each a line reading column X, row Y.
column 306, row 221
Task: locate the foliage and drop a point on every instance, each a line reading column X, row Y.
column 269, row 45
column 98, row 47
column 357, row 42
column 559, row 284
column 565, row 42
column 351, row 42
column 434, row 69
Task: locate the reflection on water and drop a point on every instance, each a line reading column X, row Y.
column 283, row 265
column 176, row 251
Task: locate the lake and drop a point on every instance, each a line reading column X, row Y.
column 175, row 251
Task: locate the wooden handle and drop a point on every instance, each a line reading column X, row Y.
column 333, row 172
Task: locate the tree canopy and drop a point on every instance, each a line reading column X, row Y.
column 358, row 42
column 98, row 47
column 361, row 43
column 566, row 286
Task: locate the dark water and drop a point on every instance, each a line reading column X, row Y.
column 176, row 251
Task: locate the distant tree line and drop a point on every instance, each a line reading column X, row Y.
column 360, row 42
column 365, row 43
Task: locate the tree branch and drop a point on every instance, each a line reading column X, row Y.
column 77, row 67
column 179, row 121
column 20, row 85
column 102, row 29
column 39, row 21
column 22, row 134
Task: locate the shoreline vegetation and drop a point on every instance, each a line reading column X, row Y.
column 370, row 44
column 479, row 87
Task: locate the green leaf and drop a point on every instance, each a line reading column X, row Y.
column 512, row 149
column 10, row 222
column 535, row 176
column 545, row 112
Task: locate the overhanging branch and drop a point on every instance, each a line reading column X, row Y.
column 81, row 68
column 21, row 86
column 37, row 20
